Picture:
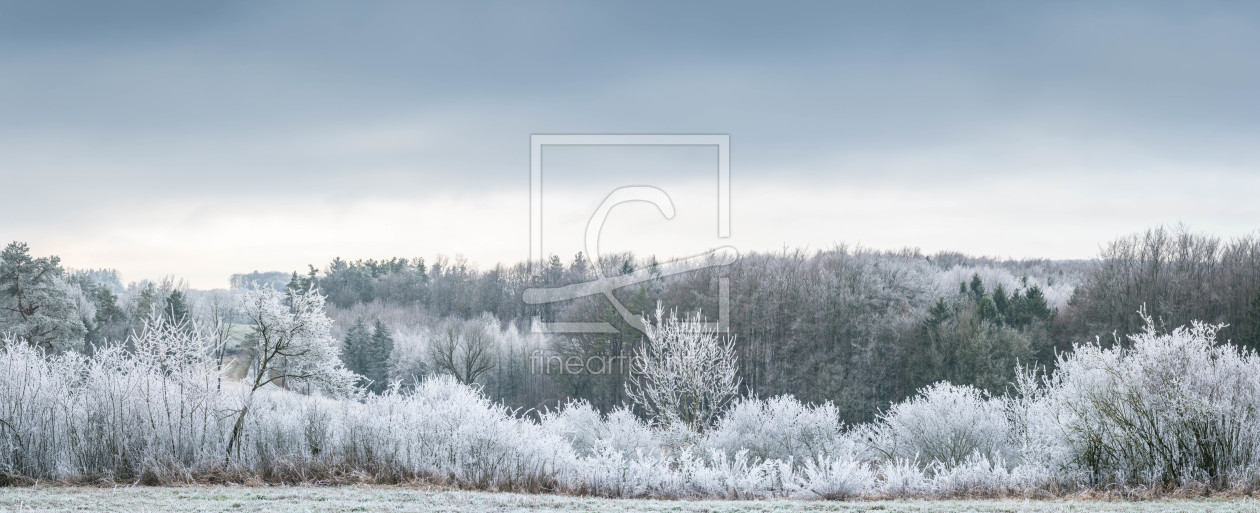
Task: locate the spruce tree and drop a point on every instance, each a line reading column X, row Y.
column 627, row 267
column 1000, row 301
column 111, row 320
column 149, row 302
column 377, row 368
column 355, row 353
column 1037, row 305
column 176, row 307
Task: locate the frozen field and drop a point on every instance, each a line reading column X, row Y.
column 364, row 498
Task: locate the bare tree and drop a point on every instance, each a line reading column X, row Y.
column 464, row 348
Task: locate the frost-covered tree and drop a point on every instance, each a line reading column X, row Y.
column 35, row 303
column 409, row 361
column 291, row 345
column 219, row 316
column 685, row 372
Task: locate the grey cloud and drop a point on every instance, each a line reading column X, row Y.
column 331, row 100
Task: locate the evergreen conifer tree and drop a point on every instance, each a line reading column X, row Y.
column 377, row 368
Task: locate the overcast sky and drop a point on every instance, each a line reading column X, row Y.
column 204, row 139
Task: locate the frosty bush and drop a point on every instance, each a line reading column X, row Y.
column 1168, row 408
column 590, row 433
column 837, row 478
column 780, row 428
column 36, row 408
column 152, row 412
column 903, row 478
column 944, row 424
column 161, row 400
column 449, row 432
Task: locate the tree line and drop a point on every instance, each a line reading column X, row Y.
column 855, row 327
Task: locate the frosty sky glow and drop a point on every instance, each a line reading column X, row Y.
column 200, row 140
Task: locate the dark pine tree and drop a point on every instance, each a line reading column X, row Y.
column 1001, row 301
column 378, row 357
column 355, row 353
column 176, row 307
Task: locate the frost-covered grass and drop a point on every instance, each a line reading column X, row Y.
column 396, row 498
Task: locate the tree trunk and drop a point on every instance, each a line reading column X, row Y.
column 237, row 429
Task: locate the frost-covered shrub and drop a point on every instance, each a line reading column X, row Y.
column 177, row 384
column 273, row 432
column 151, row 412
column 976, row 475
column 36, row 410
column 612, row 473
column 449, row 432
column 944, row 424
column 837, row 478
column 1175, row 407
column 779, row 428
column 902, row 478
column 589, row 432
